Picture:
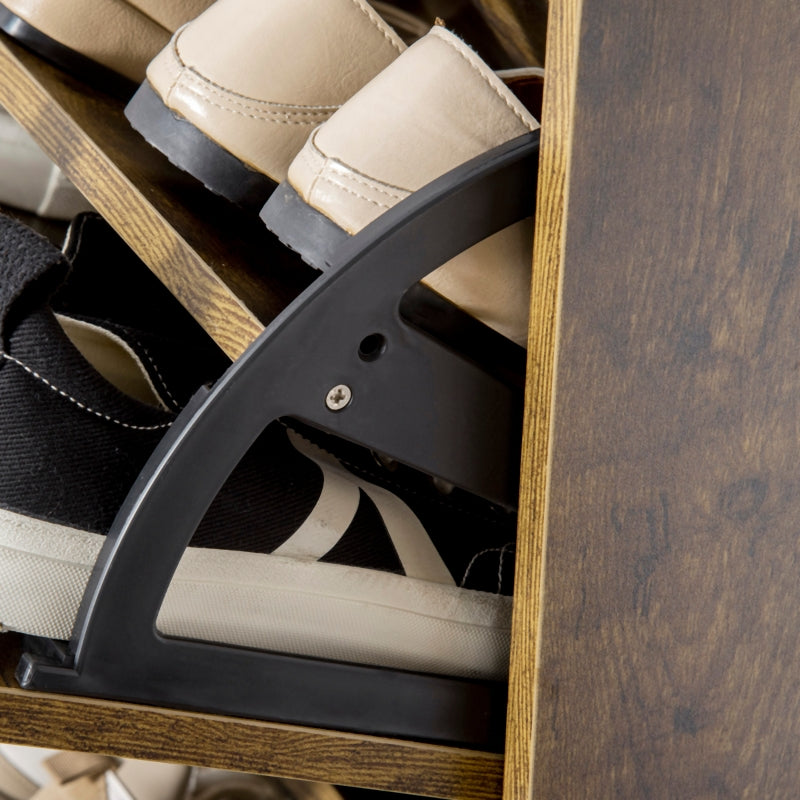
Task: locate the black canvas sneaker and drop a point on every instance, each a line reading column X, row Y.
column 312, row 547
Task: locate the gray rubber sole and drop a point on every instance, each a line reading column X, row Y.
column 189, row 149
column 302, row 228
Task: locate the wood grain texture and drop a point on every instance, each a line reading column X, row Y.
column 221, row 263
column 671, row 618
column 520, row 25
column 536, row 445
column 159, row 734
column 535, row 459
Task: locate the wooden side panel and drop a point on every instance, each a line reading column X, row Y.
column 671, row 618
column 554, row 164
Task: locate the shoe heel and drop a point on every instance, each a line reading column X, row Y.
column 302, row 228
column 192, row 151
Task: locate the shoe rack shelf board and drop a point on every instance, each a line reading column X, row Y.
column 223, row 266
column 669, row 642
column 159, row 734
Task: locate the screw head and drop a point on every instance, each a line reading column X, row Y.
column 338, row 397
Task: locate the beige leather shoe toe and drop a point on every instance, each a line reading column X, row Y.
column 235, row 94
column 436, row 107
column 107, row 43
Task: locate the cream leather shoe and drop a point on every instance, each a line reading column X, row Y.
column 434, row 108
column 104, row 42
column 235, row 94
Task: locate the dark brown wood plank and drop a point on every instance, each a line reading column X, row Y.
column 520, row 26
column 221, row 263
column 671, row 619
column 160, row 734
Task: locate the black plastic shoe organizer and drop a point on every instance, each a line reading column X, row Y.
column 413, row 399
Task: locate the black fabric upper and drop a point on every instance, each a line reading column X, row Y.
column 71, row 444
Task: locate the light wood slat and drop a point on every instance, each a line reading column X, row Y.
column 160, row 734
column 539, row 403
column 520, row 27
column 670, row 634
column 221, row 263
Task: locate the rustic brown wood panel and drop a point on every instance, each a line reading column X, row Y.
column 535, row 458
column 671, row 619
column 160, row 734
column 221, row 263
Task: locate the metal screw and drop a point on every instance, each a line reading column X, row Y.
column 339, row 397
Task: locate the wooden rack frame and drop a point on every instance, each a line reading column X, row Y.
column 233, row 285
column 655, row 640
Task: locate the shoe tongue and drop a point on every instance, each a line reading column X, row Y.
column 31, row 269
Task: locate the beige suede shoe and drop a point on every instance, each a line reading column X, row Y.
column 434, row 108
column 235, row 94
column 107, row 43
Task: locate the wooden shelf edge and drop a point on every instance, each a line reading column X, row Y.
column 203, row 249
column 150, row 733
column 536, row 456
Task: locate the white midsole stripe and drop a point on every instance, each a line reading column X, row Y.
column 266, row 601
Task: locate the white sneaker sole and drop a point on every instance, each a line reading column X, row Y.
column 267, row 602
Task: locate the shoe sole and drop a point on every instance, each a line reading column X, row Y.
column 189, row 149
column 71, row 61
column 266, row 602
column 317, row 240
column 308, row 232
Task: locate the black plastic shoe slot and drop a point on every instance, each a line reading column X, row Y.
column 420, row 403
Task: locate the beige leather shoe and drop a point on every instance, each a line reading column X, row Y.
column 235, row 94
column 104, row 42
column 434, row 108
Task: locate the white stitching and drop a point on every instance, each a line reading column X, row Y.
column 160, row 376
column 505, row 548
column 78, row 403
column 345, row 172
column 463, row 54
column 386, row 36
column 502, row 550
column 265, row 115
column 185, row 71
column 350, row 191
column 255, row 104
column 375, row 187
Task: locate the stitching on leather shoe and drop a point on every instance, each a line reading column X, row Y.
column 378, row 23
column 77, row 402
column 187, row 73
column 347, row 173
column 265, row 115
column 352, row 192
column 351, row 176
column 252, row 103
column 466, row 54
